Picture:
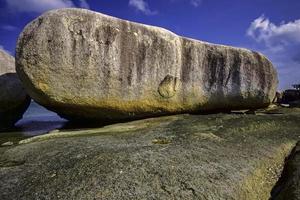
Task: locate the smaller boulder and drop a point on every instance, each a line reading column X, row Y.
column 290, row 96
column 295, row 104
column 278, row 97
column 13, row 99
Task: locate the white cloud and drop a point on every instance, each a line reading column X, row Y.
column 281, row 43
column 8, row 28
column 262, row 30
column 141, row 6
column 196, row 3
column 40, row 6
column 84, row 4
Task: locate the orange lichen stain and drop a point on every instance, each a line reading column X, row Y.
column 43, row 86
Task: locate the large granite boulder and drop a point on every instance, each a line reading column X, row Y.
column 13, row 98
column 83, row 64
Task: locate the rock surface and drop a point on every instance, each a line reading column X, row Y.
column 288, row 186
column 211, row 157
column 83, row 64
column 13, row 98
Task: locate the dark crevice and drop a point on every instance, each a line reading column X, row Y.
column 163, row 187
column 287, row 186
column 11, row 163
column 186, row 56
column 188, row 188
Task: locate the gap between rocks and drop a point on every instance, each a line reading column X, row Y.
column 288, row 184
column 270, row 178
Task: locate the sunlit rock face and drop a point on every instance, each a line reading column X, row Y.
column 13, row 98
column 86, row 65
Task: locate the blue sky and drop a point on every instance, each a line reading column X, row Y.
column 269, row 26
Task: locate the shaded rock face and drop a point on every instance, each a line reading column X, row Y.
column 278, row 97
column 83, row 64
column 290, row 96
column 288, row 186
column 13, row 98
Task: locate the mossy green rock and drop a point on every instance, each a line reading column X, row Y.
column 86, row 65
column 209, row 157
column 13, row 99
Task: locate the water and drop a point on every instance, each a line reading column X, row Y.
column 38, row 120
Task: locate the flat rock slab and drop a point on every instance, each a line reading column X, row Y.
column 210, row 157
column 86, row 65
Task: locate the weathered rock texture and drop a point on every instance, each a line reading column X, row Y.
column 13, row 98
column 288, row 187
column 85, row 64
column 211, row 157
